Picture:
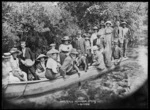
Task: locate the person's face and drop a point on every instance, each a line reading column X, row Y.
column 115, row 45
column 94, row 52
column 118, row 23
column 102, row 26
column 98, row 36
column 23, row 44
column 42, row 59
column 6, row 59
column 55, row 56
column 108, row 25
column 95, row 30
column 74, row 56
column 124, row 25
column 66, row 42
column 99, row 47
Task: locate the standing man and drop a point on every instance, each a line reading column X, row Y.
column 93, row 37
column 27, row 54
column 81, row 43
column 118, row 34
column 102, row 30
column 99, row 40
column 126, row 34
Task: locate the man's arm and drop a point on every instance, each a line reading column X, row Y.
column 31, row 53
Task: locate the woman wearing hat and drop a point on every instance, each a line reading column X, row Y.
column 41, row 66
column 69, row 66
column 108, row 35
column 15, row 65
column 7, row 75
column 64, row 48
column 52, row 66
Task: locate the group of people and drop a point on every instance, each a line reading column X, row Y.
column 101, row 48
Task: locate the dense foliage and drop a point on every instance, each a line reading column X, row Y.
column 41, row 23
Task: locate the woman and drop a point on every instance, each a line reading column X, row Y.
column 65, row 48
column 41, row 66
column 15, row 65
column 7, row 75
column 108, row 35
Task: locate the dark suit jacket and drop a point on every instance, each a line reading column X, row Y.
column 28, row 54
column 95, row 41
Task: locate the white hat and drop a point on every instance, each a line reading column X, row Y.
column 95, row 48
column 95, row 28
column 6, row 55
column 52, row 51
column 41, row 56
column 108, row 22
column 124, row 22
column 14, row 50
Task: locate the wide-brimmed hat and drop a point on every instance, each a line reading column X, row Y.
column 95, row 28
column 108, row 22
column 51, row 45
column 52, row 51
column 73, row 51
column 14, row 50
column 90, row 31
column 41, row 56
column 95, row 48
column 124, row 22
column 6, row 55
column 66, row 38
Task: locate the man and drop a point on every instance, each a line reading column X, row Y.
column 99, row 40
column 81, row 43
column 52, row 66
column 102, row 30
column 126, row 34
column 82, row 61
column 116, row 54
column 93, row 37
column 118, row 34
column 69, row 65
column 27, row 54
column 99, row 60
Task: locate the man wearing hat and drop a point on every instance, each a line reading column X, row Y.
column 94, row 36
column 118, row 34
column 99, row 60
column 126, row 34
column 41, row 66
column 116, row 54
column 15, row 65
column 102, row 30
column 52, row 66
column 27, row 58
column 64, row 48
column 99, row 40
column 69, row 66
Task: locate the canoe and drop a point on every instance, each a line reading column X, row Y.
column 17, row 92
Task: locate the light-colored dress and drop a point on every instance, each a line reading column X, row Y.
column 102, row 32
column 108, row 38
column 15, row 66
column 39, row 71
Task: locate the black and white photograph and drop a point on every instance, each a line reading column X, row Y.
column 74, row 55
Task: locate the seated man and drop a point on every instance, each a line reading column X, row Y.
column 69, row 65
column 116, row 54
column 52, row 66
column 99, row 60
column 14, row 61
column 82, row 61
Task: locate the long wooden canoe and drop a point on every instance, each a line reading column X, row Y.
column 24, row 92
